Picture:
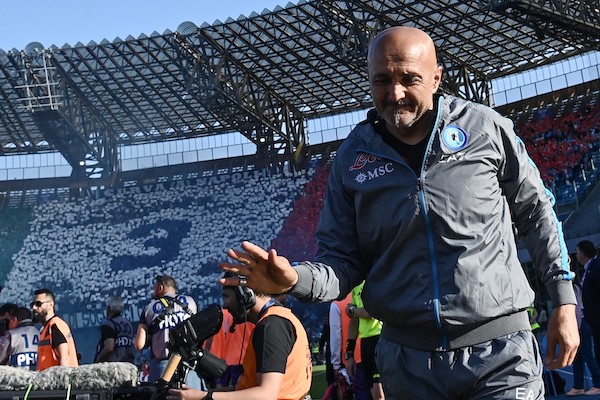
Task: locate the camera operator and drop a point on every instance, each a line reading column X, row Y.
column 277, row 363
column 19, row 345
column 164, row 312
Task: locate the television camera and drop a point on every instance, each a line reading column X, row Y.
column 185, row 342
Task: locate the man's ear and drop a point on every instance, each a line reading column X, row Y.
column 437, row 78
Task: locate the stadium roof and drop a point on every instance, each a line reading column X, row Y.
column 262, row 75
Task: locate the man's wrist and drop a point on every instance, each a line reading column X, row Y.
column 303, row 286
column 350, row 345
column 348, row 355
column 209, row 396
column 351, row 310
column 561, row 292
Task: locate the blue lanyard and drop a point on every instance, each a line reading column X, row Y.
column 263, row 310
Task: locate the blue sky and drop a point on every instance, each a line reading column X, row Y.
column 70, row 21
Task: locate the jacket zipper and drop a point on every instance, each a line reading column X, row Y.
column 430, row 238
column 423, row 202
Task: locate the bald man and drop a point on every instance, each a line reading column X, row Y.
column 420, row 203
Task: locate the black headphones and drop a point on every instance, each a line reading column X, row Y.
column 244, row 295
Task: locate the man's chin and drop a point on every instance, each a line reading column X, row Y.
column 401, row 123
column 401, row 119
column 240, row 318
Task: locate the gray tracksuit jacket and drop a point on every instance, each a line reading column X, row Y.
column 438, row 250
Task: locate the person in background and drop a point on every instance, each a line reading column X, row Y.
column 533, row 319
column 56, row 345
column 6, row 311
column 230, row 344
column 19, row 345
column 166, row 310
column 587, row 255
column 368, row 329
column 421, row 201
column 144, row 371
column 344, row 348
column 116, row 335
column 585, row 354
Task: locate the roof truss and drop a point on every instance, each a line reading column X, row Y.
column 264, row 75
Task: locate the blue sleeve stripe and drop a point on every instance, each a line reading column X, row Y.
column 564, row 259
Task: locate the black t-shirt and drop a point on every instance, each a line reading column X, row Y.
column 108, row 332
column 273, row 339
column 57, row 337
column 413, row 154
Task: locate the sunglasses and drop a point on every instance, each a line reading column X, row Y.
column 38, row 303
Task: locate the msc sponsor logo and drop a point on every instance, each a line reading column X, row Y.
column 378, row 172
column 363, row 159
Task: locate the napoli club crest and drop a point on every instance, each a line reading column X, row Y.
column 454, row 138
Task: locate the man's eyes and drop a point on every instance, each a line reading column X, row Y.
column 405, row 80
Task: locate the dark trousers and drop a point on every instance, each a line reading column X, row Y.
column 596, row 336
column 509, row 367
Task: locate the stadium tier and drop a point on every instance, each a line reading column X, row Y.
column 89, row 249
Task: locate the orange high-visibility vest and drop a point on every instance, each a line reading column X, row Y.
column 298, row 370
column 231, row 346
column 345, row 325
column 47, row 356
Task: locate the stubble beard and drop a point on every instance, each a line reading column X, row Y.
column 397, row 119
column 399, row 124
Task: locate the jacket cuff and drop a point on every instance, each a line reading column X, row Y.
column 302, row 289
column 561, row 292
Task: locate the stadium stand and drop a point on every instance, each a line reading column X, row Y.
column 562, row 146
column 183, row 228
column 566, row 148
column 301, row 225
column 116, row 244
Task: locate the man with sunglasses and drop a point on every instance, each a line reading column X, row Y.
column 56, row 345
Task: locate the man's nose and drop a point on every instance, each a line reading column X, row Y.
column 398, row 91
